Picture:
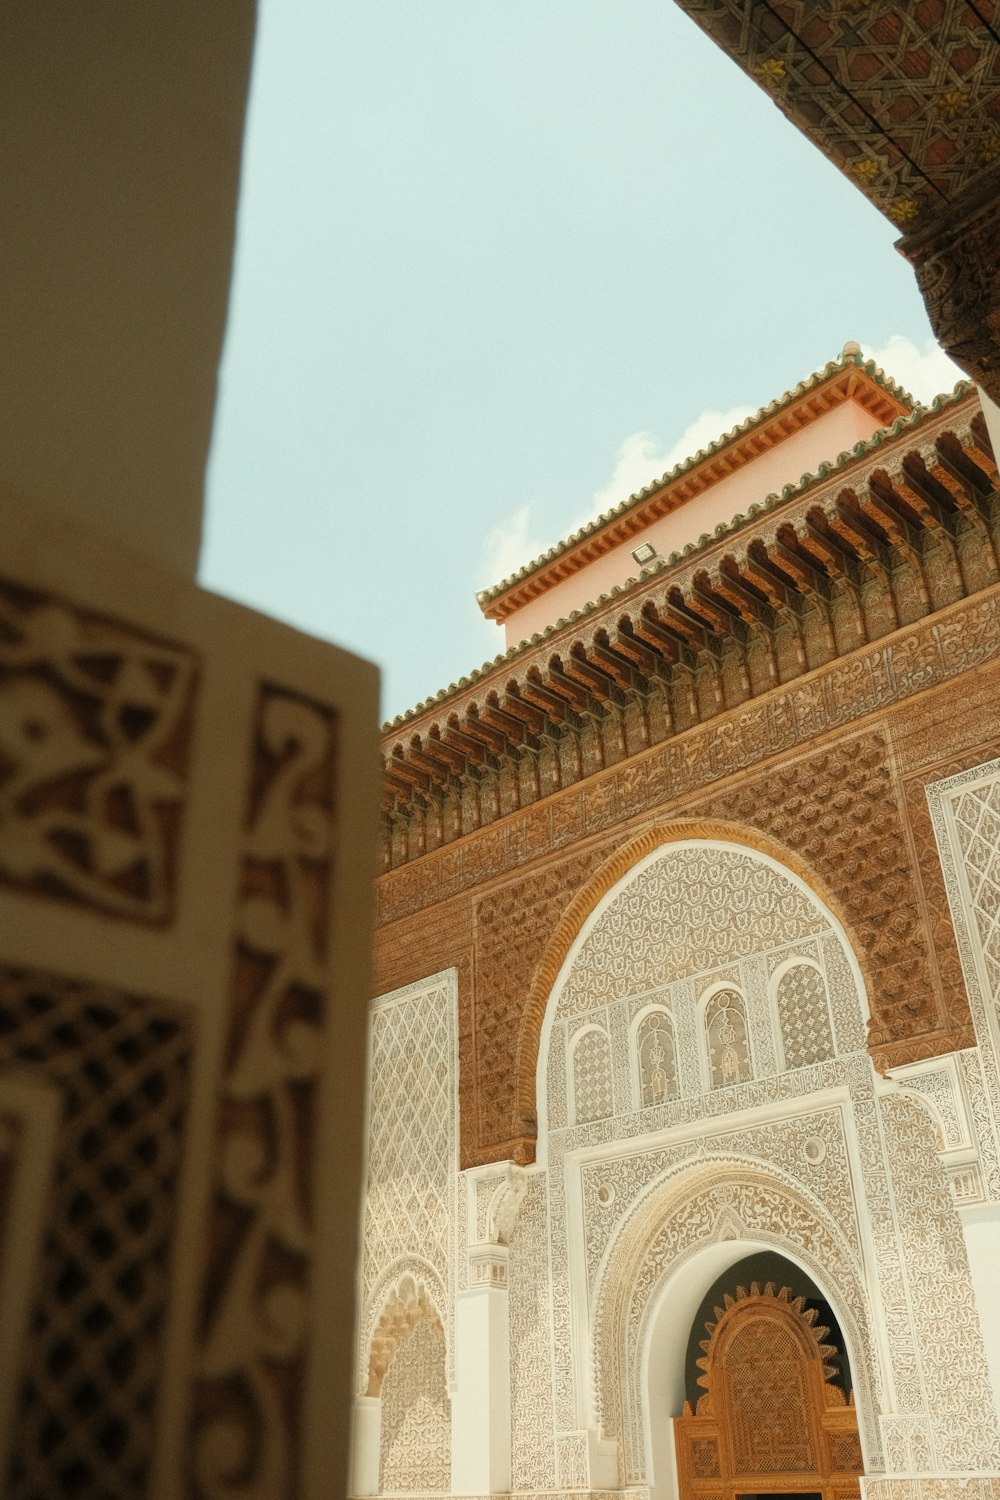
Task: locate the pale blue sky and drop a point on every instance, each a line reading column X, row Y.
column 481, row 247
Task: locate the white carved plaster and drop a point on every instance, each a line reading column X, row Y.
column 411, row 1221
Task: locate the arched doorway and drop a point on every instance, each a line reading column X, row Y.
column 773, row 1413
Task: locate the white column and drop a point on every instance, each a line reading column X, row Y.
column 992, row 414
column 480, row 1400
column 981, row 1223
column 366, row 1442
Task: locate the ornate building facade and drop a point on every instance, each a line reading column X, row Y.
column 683, row 1174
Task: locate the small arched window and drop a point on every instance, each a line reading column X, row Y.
column 803, row 1016
column 727, row 1039
column 592, row 1096
column 656, row 1059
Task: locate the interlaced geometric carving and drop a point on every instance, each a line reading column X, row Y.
column 94, row 735
column 411, row 1145
column 592, row 1097
column 845, row 1451
column 705, row 1458
column 92, row 1355
column 977, row 820
column 656, row 1057
column 804, row 1017
column 728, row 1043
column 770, row 1397
column 416, row 1416
column 766, row 1395
column 904, row 98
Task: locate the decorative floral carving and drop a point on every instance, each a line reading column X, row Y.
column 531, row 1417
column 255, row 1318
column 95, row 727
column 727, row 1039
column 655, row 1058
column 416, row 1416
column 959, row 1395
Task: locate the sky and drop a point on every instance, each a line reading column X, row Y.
column 499, row 264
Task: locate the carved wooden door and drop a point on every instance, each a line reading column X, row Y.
column 771, row 1423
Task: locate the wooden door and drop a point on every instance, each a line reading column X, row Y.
column 771, row 1423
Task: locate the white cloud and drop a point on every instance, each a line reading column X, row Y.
column 643, row 457
column 509, row 546
column 925, row 373
column 641, row 460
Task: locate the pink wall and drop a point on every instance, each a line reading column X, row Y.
column 802, row 453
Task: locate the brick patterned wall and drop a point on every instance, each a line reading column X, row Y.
column 849, row 810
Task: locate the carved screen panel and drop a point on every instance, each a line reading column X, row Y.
column 803, row 1017
column 84, row 1420
column 592, row 1098
column 656, row 1057
column 771, row 1418
column 727, row 1039
column 767, row 1399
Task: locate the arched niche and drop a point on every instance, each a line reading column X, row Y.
column 787, row 904
column 603, row 889
column 689, row 1228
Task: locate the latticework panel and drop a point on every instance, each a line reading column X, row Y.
column 91, row 1368
column 416, row 1417
column 768, row 1402
column 977, row 820
column 412, row 1131
column 804, row 1017
column 592, row 1094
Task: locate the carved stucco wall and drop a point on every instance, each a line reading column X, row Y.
column 965, row 811
column 410, row 1225
column 824, row 1161
column 840, row 1187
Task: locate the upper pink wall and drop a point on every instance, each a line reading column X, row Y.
column 801, row 453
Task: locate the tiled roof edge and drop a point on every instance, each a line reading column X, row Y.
column 835, row 366
column 913, row 420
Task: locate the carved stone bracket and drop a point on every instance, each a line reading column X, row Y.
column 957, row 261
column 938, row 1085
column 495, row 1195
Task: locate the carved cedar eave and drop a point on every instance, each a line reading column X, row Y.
column 846, row 379
column 820, row 571
column 905, row 100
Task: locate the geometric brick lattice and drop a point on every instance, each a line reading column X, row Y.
column 804, row 1017
column 91, row 1361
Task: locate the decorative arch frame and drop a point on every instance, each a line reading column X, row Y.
column 426, row 1280
column 687, row 1210
column 604, row 885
